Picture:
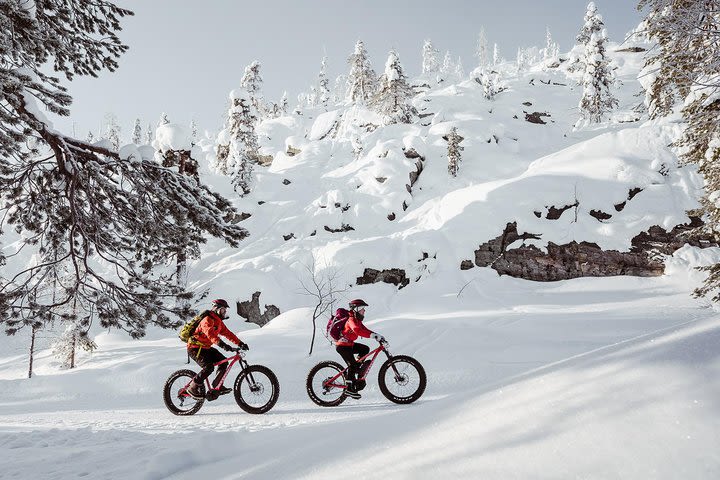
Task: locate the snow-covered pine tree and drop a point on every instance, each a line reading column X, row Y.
column 323, row 90
column 112, row 131
column 149, row 134
column 284, row 105
column 392, row 99
column 340, row 89
column 454, row 150
column 447, row 70
column 481, row 49
column 193, row 131
column 362, row 80
column 459, row 70
column 71, row 200
column 552, row 49
column 496, row 55
column 490, row 82
column 597, row 99
column 521, row 60
column 137, row 133
column 685, row 67
column 163, row 119
column 592, row 23
column 65, row 347
column 430, row 62
column 251, row 82
column 90, row 137
column 236, row 149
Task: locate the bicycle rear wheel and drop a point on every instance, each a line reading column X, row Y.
column 402, row 379
column 318, row 389
column 176, row 399
column 256, row 389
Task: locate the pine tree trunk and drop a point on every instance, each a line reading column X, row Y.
column 72, row 351
column 32, row 350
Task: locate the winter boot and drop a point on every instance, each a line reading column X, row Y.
column 194, row 391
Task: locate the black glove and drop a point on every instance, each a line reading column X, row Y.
column 243, row 346
column 225, row 346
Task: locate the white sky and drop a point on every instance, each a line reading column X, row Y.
column 184, row 58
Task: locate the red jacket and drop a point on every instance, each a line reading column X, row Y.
column 209, row 330
column 354, row 328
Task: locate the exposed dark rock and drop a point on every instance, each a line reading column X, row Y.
column 536, row 117
column 250, row 311
column 585, row 259
column 396, row 276
column 343, row 228
column 261, row 202
column 286, row 182
column 633, row 192
column 381, row 179
column 314, row 232
column 291, row 151
column 288, row 237
column 619, row 206
column 466, row 265
column 600, row 215
column 527, row 104
column 391, row 216
column 555, row 213
column 537, row 214
column 412, row 153
column 240, row 217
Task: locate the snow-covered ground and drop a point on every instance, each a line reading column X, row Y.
column 591, row 378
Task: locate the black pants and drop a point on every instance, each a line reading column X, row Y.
column 348, row 354
column 206, row 359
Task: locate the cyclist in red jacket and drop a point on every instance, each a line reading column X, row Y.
column 348, row 348
column 200, row 346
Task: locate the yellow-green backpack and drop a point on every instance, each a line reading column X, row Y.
column 188, row 330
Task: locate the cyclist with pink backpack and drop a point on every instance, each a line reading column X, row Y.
column 345, row 341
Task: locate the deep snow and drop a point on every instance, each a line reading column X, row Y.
column 591, row 378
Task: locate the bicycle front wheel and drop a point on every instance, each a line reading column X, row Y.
column 256, row 389
column 402, row 379
column 177, row 399
column 321, row 387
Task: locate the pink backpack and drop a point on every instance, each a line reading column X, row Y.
column 336, row 324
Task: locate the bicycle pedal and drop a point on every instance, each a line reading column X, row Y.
column 212, row 395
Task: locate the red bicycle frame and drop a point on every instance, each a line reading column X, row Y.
column 331, row 382
column 238, row 357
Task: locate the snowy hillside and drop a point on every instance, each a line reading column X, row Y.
column 587, row 378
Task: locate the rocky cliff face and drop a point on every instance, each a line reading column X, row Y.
column 584, row 259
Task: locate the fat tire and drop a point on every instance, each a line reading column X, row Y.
column 168, row 394
column 421, row 374
column 317, row 399
column 260, row 370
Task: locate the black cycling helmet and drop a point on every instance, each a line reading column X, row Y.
column 220, row 303
column 358, row 302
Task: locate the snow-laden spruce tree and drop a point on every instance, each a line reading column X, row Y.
column 685, row 66
column 430, row 62
column 362, row 80
column 491, row 84
column 323, row 85
column 552, row 50
column 73, row 338
column 496, row 55
column 481, row 49
column 163, row 119
column 339, row 92
column 112, row 131
column 393, row 98
column 236, row 149
column 137, row 133
column 149, row 134
column 252, row 82
column 597, row 100
column 112, row 219
column 454, row 149
column 592, row 23
column 447, row 70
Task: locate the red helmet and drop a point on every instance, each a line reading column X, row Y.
column 358, row 302
column 220, row 303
